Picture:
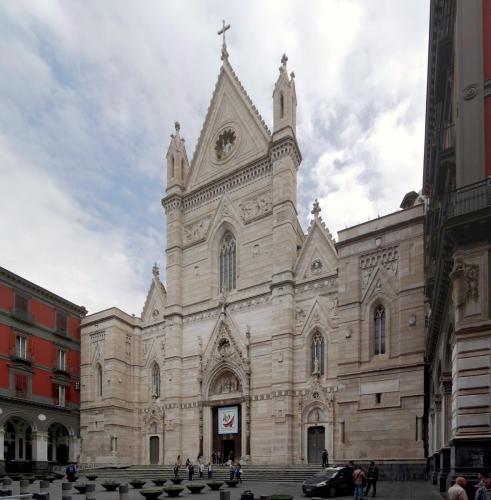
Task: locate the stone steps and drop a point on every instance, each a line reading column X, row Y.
column 276, row 473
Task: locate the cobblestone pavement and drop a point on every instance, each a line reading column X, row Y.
column 387, row 490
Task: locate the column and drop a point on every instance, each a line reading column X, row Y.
column 73, row 449
column 40, row 450
column 447, row 411
column 2, row 449
column 438, row 425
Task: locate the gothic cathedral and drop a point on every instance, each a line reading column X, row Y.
column 266, row 343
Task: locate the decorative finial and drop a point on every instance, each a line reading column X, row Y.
column 292, row 75
column 177, row 125
column 284, row 60
column 224, row 43
column 155, row 270
column 316, row 209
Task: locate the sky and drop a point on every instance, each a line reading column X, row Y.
column 90, row 91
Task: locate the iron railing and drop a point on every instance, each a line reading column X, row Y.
column 470, row 198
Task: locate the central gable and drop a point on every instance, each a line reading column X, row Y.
column 233, row 134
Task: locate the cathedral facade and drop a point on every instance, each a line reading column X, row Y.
column 266, row 343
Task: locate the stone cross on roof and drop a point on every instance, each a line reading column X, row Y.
column 316, row 209
column 224, row 43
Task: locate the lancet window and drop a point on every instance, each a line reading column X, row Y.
column 379, row 330
column 156, row 381
column 99, row 380
column 228, row 269
column 317, row 354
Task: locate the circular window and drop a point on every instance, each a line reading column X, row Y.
column 225, row 144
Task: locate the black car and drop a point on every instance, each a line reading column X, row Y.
column 329, row 482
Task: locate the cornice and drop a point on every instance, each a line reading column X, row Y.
column 17, row 281
column 286, row 147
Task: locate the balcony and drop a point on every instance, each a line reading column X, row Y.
column 17, row 356
column 64, row 371
column 469, row 199
column 22, row 315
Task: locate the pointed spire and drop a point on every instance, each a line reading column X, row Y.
column 177, row 161
column 284, row 100
column 316, row 209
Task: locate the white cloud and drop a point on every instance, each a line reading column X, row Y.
column 90, row 92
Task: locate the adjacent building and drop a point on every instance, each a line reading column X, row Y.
column 457, row 184
column 39, row 376
column 267, row 342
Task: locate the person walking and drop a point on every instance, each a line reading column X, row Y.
column 359, row 479
column 484, row 492
column 177, row 466
column 190, row 469
column 372, row 478
column 238, row 473
column 231, row 471
column 213, row 458
column 201, row 468
column 210, row 470
column 325, row 458
column 70, row 472
column 457, row 491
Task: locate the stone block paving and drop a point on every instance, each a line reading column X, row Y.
column 387, row 490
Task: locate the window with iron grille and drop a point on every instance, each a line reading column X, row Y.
column 20, row 385
column 61, row 323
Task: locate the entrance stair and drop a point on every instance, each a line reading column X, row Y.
column 274, row 473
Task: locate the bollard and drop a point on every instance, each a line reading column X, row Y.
column 23, row 486
column 66, row 493
column 7, row 481
column 123, row 492
column 43, row 485
column 90, row 491
column 224, row 495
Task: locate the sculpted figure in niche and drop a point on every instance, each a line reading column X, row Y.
column 226, row 384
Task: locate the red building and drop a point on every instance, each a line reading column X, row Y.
column 39, row 375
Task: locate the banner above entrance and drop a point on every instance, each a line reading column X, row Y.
column 228, row 420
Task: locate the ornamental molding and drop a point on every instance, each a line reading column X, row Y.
column 465, row 282
column 230, row 183
column 387, row 258
column 256, row 207
column 470, row 92
column 286, row 147
column 196, row 231
column 171, row 203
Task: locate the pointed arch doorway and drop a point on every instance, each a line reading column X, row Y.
column 224, row 426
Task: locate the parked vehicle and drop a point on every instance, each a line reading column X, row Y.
column 329, row 482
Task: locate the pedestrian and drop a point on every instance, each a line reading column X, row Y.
column 359, row 479
column 481, row 476
column 372, row 478
column 238, row 473
column 219, row 457
column 457, row 491
column 484, row 492
column 190, row 470
column 213, row 458
column 70, row 472
column 231, row 471
column 210, row 470
column 325, row 458
column 177, row 466
column 201, row 469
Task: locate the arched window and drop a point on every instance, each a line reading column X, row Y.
column 99, row 381
column 156, row 380
column 227, row 262
column 282, row 105
column 173, row 170
column 379, row 330
column 317, row 354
